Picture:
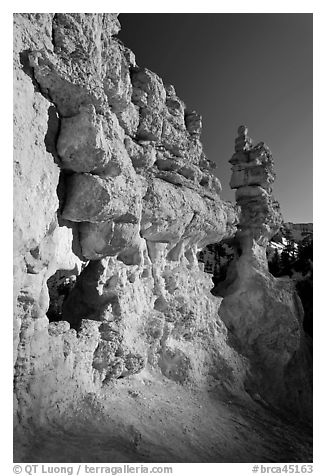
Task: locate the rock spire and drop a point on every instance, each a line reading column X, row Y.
column 252, row 177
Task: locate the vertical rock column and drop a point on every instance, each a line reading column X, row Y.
column 252, row 177
column 263, row 313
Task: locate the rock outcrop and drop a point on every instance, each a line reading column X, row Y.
column 122, row 198
column 113, row 198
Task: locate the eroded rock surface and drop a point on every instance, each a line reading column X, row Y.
column 113, row 198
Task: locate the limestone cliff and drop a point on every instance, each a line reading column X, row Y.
column 113, row 198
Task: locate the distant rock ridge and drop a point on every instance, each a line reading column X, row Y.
column 114, row 197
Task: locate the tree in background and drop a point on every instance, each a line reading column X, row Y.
column 290, row 246
column 286, row 263
column 274, row 264
column 222, row 261
column 297, row 264
column 303, row 263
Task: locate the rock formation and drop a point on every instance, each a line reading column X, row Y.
column 113, row 198
column 264, row 313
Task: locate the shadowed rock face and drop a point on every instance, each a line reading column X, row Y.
column 116, row 195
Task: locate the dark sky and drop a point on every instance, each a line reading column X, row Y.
column 253, row 69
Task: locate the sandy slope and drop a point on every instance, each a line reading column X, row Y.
column 146, row 419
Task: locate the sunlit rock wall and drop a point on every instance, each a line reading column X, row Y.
column 113, row 198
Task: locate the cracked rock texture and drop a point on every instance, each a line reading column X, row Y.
column 114, row 197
